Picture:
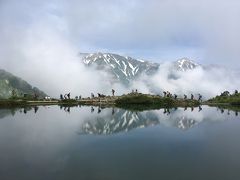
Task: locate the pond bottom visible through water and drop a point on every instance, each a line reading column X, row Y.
column 95, row 143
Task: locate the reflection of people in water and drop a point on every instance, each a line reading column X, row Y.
column 228, row 113
column 113, row 111
column 166, row 111
column 192, row 108
column 35, row 109
column 92, row 109
column 199, row 108
column 185, row 108
column 25, row 111
column 99, row 110
column 222, row 110
column 67, row 109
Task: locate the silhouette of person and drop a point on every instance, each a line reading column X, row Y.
column 199, row 108
column 68, row 95
column 192, row 96
column 113, row 91
column 164, row 93
column 175, row 96
column 185, row 96
column 199, row 97
column 61, row 96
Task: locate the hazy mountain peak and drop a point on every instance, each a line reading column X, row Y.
column 125, row 68
column 185, row 64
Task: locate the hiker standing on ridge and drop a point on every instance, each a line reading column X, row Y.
column 113, row 91
column 68, row 95
column 200, row 97
column 185, row 96
column 192, row 96
column 175, row 96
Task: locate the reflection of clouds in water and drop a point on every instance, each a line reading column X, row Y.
column 43, row 138
column 180, row 116
column 123, row 120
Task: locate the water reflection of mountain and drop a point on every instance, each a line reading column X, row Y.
column 184, row 123
column 119, row 121
column 123, row 121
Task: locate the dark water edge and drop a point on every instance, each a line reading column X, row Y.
column 52, row 142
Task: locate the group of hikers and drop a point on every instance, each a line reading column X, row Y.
column 175, row 96
column 165, row 94
column 66, row 96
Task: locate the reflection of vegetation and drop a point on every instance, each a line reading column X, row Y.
column 227, row 107
column 226, row 98
column 7, row 112
column 13, row 103
column 69, row 102
column 146, row 102
column 12, row 111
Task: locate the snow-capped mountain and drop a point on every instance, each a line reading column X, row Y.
column 185, row 64
column 126, row 69
column 122, row 68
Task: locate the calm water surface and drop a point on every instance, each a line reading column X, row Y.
column 92, row 143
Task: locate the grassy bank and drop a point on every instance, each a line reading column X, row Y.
column 140, row 101
column 225, row 99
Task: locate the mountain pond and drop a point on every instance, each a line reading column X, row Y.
column 97, row 143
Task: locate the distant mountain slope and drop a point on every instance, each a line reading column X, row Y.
column 185, row 64
column 122, row 68
column 126, row 69
column 9, row 82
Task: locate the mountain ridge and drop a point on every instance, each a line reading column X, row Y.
column 10, row 82
column 125, row 68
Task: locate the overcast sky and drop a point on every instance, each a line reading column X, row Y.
column 207, row 31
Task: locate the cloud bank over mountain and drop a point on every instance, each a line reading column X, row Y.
column 40, row 42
